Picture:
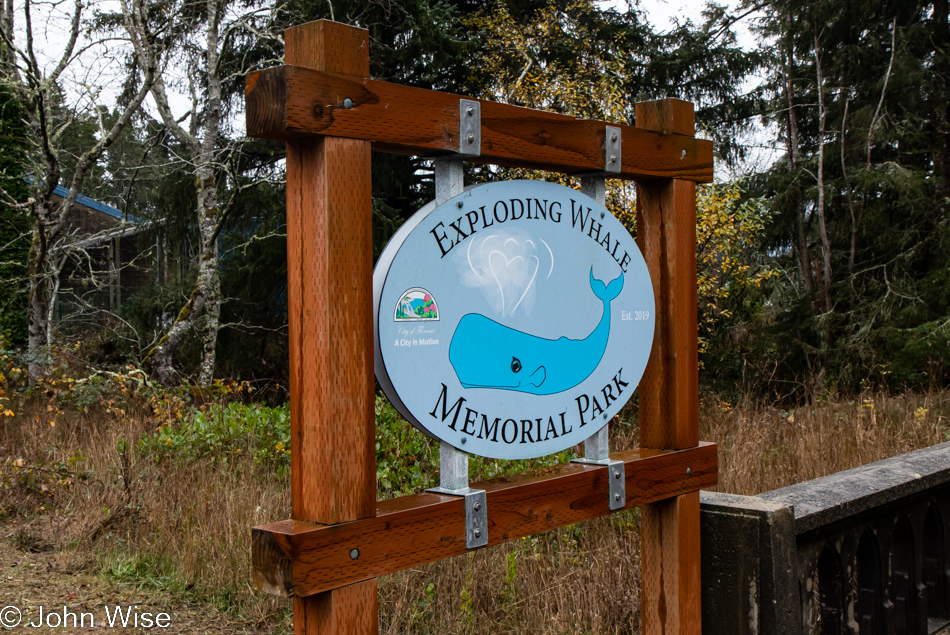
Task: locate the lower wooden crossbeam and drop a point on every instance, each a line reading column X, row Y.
column 295, row 558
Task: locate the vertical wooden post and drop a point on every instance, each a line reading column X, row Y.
column 330, row 287
column 669, row 393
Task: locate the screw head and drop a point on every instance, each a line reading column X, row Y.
column 617, row 474
column 459, row 204
column 617, row 496
column 689, row 471
column 478, row 533
column 613, row 158
column 470, row 111
column 354, row 554
column 464, row 440
column 347, row 103
column 683, row 154
column 471, row 138
column 613, row 137
column 477, row 506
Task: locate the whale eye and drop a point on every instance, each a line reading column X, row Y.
column 515, row 364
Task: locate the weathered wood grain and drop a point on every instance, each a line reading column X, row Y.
column 671, row 605
column 329, row 254
column 669, row 390
column 289, row 102
column 298, row 559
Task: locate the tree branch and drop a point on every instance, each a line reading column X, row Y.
column 880, row 102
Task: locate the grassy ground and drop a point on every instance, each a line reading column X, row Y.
column 167, row 514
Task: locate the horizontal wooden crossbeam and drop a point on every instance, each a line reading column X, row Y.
column 287, row 102
column 295, row 558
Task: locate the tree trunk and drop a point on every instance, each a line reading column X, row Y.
column 205, row 300
column 822, row 227
column 852, row 254
column 940, row 99
column 791, row 122
column 212, row 321
column 208, row 279
column 161, row 358
column 37, row 314
column 208, row 209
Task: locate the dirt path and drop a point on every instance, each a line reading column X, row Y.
column 29, row 581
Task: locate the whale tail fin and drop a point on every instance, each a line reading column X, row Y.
column 606, row 292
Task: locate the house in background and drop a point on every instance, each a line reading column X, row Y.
column 105, row 260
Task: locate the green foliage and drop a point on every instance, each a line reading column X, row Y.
column 884, row 319
column 728, row 267
column 221, row 432
column 406, row 460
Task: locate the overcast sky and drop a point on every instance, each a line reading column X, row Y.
column 102, row 67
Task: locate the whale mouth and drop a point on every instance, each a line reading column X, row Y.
column 511, row 387
column 536, row 380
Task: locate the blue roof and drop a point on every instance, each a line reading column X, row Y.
column 92, row 203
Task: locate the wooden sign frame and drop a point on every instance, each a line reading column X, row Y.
column 323, row 104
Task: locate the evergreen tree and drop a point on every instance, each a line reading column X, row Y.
column 859, row 91
column 14, row 222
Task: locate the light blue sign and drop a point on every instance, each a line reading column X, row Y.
column 514, row 320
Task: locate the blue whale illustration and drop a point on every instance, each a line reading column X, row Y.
column 486, row 354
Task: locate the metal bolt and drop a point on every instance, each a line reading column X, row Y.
column 602, row 214
column 689, row 471
column 464, row 440
column 616, row 473
column 683, row 154
column 613, row 158
column 478, row 533
column 470, row 111
column 354, row 554
column 347, row 103
column 613, row 137
column 471, row 138
column 459, row 204
column 617, row 496
column 477, row 506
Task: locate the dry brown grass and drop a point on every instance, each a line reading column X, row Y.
column 185, row 528
column 762, row 448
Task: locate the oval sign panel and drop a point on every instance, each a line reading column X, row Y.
column 512, row 321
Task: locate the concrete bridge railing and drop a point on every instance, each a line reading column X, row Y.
column 861, row 551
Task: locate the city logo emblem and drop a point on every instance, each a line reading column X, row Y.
column 416, row 305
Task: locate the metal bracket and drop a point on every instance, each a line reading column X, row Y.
column 470, row 128
column 597, row 452
column 453, row 478
column 476, row 513
column 612, row 156
column 594, row 186
column 616, row 480
column 597, row 445
column 449, row 178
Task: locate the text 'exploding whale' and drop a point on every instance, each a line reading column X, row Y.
column 486, row 354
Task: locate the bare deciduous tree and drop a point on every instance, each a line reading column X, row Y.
column 200, row 46
column 41, row 89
